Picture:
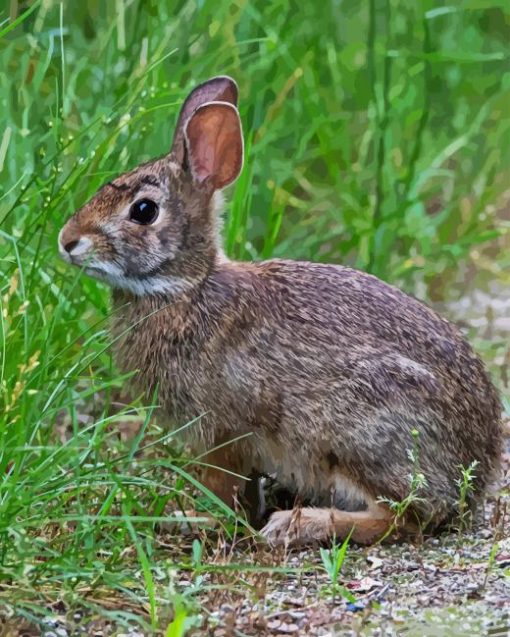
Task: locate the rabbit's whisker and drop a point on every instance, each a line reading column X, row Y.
column 112, row 273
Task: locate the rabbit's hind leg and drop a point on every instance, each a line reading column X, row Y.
column 224, row 471
column 310, row 525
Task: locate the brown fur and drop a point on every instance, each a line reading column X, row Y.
column 324, row 369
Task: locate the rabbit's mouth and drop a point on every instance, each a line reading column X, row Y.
column 104, row 270
column 80, row 252
column 93, row 270
column 112, row 273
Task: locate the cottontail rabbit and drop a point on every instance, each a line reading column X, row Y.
column 326, row 376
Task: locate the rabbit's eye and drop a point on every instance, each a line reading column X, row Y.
column 144, row 211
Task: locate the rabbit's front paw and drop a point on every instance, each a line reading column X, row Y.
column 281, row 528
column 301, row 526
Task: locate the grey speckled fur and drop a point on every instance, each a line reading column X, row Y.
column 326, row 369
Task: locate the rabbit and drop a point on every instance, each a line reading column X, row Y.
column 332, row 380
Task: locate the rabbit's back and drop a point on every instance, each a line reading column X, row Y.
column 365, row 363
column 331, row 371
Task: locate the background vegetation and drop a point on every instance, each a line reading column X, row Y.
column 377, row 135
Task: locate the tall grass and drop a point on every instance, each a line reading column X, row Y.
column 377, row 135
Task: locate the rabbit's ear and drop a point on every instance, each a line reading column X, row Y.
column 217, row 89
column 214, row 144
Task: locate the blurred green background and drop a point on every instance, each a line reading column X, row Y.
column 377, row 132
column 377, row 135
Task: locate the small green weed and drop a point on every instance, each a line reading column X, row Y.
column 417, row 482
column 466, row 486
column 332, row 560
column 490, row 562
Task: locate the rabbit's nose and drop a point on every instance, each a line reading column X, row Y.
column 68, row 247
column 76, row 247
column 72, row 245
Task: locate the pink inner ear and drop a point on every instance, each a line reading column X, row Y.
column 206, row 155
column 215, row 145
